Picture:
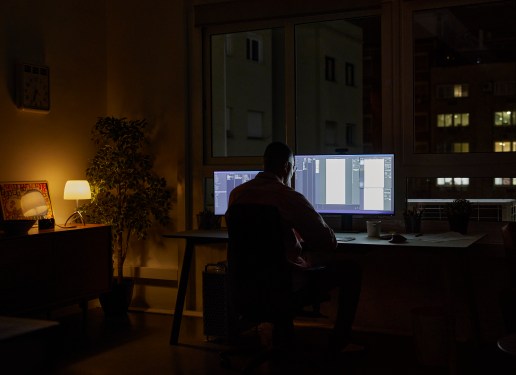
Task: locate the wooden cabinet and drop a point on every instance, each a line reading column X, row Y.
column 50, row 268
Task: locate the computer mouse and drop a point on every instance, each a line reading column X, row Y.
column 397, row 238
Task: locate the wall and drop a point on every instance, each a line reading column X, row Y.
column 120, row 58
column 68, row 37
column 146, row 78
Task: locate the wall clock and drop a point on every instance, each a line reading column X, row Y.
column 33, row 88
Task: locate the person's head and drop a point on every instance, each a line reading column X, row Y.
column 278, row 158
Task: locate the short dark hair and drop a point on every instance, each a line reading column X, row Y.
column 276, row 155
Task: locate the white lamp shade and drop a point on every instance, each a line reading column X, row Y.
column 77, row 189
column 33, row 204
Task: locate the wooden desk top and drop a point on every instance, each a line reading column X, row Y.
column 34, row 231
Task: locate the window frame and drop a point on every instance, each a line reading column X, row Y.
column 487, row 164
column 288, row 24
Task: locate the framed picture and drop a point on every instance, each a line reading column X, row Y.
column 11, row 194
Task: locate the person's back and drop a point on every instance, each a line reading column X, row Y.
column 303, row 229
column 272, row 187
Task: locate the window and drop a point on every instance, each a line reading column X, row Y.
column 452, row 181
column 331, row 133
column 335, row 75
column 466, row 52
column 354, row 101
column 460, row 147
column 254, row 48
column 504, row 181
column 504, row 146
column 505, row 88
column 350, row 74
column 255, row 125
column 329, row 71
column 446, row 120
column 505, row 118
column 246, row 72
column 449, row 91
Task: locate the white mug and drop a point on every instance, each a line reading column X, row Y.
column 373, row 228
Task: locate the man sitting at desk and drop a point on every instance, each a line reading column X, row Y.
column 308, row 230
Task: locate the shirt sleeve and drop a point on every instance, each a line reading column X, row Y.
column 308, row 224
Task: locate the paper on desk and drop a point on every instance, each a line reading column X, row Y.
column 443, row 237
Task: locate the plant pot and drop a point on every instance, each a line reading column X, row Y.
column 116, row 301
column 459, row 223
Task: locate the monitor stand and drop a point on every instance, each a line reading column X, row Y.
column 346, row 224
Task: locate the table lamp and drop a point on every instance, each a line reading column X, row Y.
column 76, row 189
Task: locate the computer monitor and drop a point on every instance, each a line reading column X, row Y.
column 347, row 184
column 223, row 183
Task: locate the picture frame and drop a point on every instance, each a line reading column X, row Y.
column 11, row 193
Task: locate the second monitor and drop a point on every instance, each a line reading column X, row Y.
column 347, row 184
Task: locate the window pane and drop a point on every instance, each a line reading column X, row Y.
column 338, row 75
column 492, row 198
column 466, row 62
column 247, row 92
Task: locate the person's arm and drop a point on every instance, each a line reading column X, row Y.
column 308, row 224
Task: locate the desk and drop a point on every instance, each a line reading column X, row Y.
column 193, row 238
column 449, row 240
column 445, row 241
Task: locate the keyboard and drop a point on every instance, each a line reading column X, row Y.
column 344, row 238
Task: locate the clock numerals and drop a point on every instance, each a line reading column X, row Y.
column 34, row 88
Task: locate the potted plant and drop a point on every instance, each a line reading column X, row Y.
column 458, row 213
column 126, row 194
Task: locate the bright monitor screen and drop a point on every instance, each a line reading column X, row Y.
column 347, row 184
column 223, row 183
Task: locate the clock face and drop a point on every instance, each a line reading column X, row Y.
column 34, row 88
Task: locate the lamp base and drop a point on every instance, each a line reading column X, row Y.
column 76, row 213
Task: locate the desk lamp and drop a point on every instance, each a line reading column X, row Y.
column 77, row 189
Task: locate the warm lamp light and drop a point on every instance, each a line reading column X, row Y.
column 75, row 190
column 33, row 204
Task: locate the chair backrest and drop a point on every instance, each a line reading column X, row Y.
column 259, row 274
column 509, row 244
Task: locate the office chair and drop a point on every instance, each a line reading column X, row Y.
column 259, row 279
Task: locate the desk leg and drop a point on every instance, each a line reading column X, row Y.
column 181, row 292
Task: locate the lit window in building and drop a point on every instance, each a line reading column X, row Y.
column 505, row 118
column 459, row 90
column 461, row 119
column 505, row 181
column 452, row 181
column 460, row 147
column 446, row 120
column 504, row 146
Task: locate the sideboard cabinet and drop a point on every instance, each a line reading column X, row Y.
column 49, row 268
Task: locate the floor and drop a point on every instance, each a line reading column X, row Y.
column 139, row 344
